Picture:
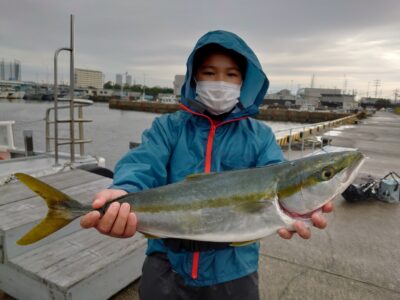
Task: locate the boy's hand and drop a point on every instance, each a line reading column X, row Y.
column 118, row 221
column 302, row 230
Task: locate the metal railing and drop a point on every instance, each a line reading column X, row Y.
column 73, row 103
column 79, row 104
column 298, row 135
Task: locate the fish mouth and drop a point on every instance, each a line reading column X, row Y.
column 348, row 175
column 294, row 214
column 288, row 217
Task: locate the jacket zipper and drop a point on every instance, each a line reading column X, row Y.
column 207, row 169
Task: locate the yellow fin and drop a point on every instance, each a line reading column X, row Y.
column 48, row 193
column 253, row 207
column 151, row 237
column 199, row 175
column 46, row 227
column 59, row 214
column 241, row 244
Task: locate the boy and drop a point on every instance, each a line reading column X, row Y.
column 213, row 132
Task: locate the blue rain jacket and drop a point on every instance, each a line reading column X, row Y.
column 176, row 146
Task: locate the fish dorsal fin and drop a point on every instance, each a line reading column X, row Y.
column 241, row 244
column 200, row 175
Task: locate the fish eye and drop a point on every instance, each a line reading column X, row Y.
column 327, row 173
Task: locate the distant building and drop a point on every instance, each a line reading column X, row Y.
column 90, row 92
column 369, row 100
column 167, row 98
column 128, row 80
column 88, row 78
column 134, row 95
column 281, row 95
column 118, row 79
column 10, row 71
column 178, row 83
column 338, row 100
column 375, row 102
column 313, row 96
column 283, row 98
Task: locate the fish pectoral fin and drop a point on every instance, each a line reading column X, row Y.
column 199, row 175
column 151, row 237
column 241, row 244
column 253, row 206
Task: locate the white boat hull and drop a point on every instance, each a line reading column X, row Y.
column 16, row 95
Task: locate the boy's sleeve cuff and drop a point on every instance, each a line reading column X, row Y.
column 126, row 187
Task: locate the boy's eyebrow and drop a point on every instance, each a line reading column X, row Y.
column 212, row 66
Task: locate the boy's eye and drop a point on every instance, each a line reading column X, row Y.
column 208, row 73
column 232, row 74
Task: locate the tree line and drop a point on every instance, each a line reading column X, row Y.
column 153, row 91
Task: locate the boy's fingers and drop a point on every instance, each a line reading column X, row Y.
column 285, row 234
column 90, row 220
column 302, row 230
column 106, row 222
column 101, row 199
column 327, row 208
column 119, row 225
column 319, row 221
column 130, row 228
column 105, row 196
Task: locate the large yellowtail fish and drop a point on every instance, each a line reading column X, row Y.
column 234, row 206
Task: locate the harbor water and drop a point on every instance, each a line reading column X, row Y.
column 111, row 130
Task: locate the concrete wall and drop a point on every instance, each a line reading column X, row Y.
column 269, row 114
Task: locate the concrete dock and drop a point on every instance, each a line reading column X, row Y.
column 358, row 255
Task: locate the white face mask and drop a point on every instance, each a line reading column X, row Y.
column 218, row 96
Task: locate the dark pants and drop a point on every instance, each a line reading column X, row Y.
column 160, row 282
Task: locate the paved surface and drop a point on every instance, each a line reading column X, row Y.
column 358, row 255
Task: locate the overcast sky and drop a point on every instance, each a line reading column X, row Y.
column 345, row 43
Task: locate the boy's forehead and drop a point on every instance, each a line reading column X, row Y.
column 219, row 59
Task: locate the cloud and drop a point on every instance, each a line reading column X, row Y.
column 293, row 39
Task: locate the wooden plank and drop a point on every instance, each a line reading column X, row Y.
column 34, row 208
column 71, row 263
column 18, row 191
column 20, row 286
column 18, row 218
column 70, row 260
column 110, row 280
column 100, row 285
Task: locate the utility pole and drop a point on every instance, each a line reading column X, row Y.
column 144, row 86
column 344, row 85
column 377, row 83
column 396, row 93
column 312, row 81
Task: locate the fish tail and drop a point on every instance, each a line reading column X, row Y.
column 60, row 209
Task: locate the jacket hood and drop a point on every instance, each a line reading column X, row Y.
column 255, row 83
